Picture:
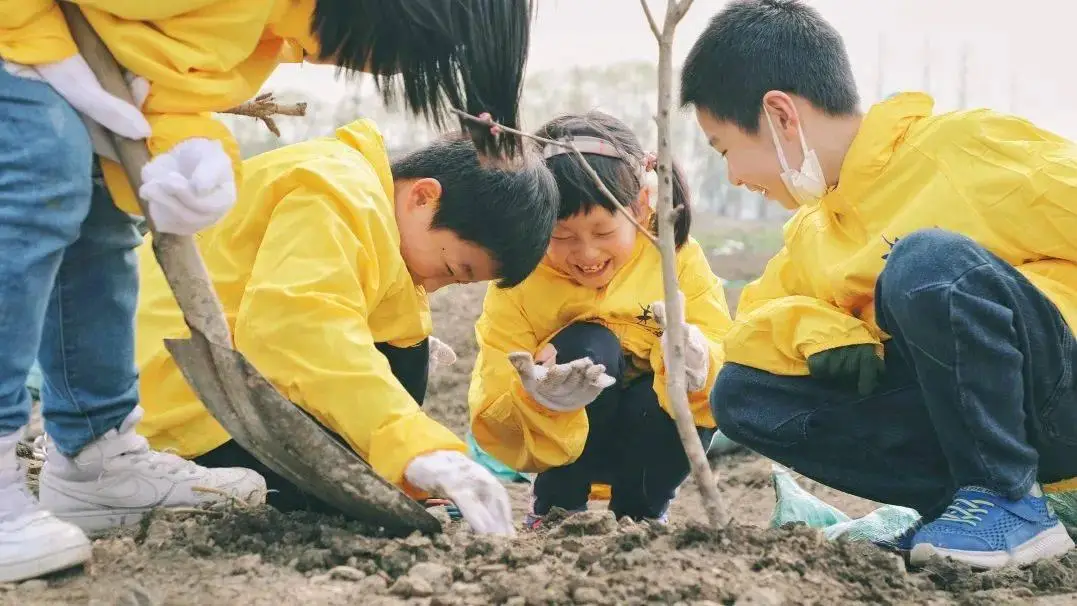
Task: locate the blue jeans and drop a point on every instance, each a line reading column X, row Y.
column 632, row 443
column 979, row 388
column 68, row 273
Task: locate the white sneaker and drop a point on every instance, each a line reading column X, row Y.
column 33, row 542
column 117, row 479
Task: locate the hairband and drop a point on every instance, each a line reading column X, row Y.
column 644, row 166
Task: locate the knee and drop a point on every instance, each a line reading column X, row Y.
column 926, row 257
column 729, row 400
column 589, row 340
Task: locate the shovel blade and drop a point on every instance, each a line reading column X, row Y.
column 287, row 440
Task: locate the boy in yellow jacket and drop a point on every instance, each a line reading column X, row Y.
column 570, row 381
column 68, row 278
column 913, row 341
column 323, row 269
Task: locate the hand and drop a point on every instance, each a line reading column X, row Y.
column 73, row 80
column 697, row 359
column 849, row 365
column 562, row 387
column 440, row 354
column 190, row 187
column 481, row 499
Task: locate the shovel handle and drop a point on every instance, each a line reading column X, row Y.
column 177, row 255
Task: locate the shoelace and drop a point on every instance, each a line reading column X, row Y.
column 966, row 511
column 131, row 444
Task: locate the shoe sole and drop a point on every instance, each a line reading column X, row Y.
column 46, row 564
column 99, row 521
column 1051, row 543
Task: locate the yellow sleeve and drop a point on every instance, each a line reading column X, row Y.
column 505, row 420
column 33, row 32
column 776, row 330
column 706, row 308
column 302, row 323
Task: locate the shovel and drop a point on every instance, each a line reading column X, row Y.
column 254, row 413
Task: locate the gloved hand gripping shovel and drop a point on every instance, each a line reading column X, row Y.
column 253, row 412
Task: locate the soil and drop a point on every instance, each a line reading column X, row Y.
column 260, row 556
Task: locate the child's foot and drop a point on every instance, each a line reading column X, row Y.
column 32, row 541
column 117, row 479
column 985, row 530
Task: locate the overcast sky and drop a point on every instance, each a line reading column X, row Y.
column 1020, row 53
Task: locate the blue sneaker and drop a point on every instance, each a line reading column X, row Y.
column 985, row 530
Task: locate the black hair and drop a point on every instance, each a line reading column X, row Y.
column 579, row 192
column 509, row 212
column 467, row 54
column 752, row 47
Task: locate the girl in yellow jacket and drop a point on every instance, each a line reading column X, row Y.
column 570, row 380
column 913, row 341
column 323, row 269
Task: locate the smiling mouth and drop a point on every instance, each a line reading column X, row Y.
column 593, row 270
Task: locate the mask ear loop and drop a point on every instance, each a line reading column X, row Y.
column 778, row 144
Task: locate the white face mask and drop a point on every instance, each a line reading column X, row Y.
column 806, row 185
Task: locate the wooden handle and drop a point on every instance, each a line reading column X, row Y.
column 177, row 255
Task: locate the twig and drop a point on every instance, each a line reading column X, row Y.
column 650, row 19
column 579, row 157
column 264, row 107
column 676, row 385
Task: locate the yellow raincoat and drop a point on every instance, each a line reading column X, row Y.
column 997, row 179
column 508, row 423
column 199, row 56
column 309, row 271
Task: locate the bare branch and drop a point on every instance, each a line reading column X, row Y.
column 650, row 20
column 579, row 157
column 264, row 107
column 676, row 13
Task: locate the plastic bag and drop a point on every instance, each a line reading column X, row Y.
column 34, row 381
column 1065, row 506
column 500, row 470
column 721, row 444
column 794, row 504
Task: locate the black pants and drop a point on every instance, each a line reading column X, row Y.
column 409, row 365
column 980, row 388
column 632, row 444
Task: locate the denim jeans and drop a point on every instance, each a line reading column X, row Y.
column 410, row 366
column 68, row 273
column 979, row 388
column 632, row 443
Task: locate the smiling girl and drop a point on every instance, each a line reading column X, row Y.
column 570, row 381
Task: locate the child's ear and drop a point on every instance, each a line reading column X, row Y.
column 425, row 194
column 782, row 111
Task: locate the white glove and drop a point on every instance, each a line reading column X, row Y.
column 481, row 499
column 562, row 387
column 696, row 352
column 73, row 79
column 440, row 354
column 190, row 187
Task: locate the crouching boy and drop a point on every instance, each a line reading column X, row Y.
column 913, row 341
column 323, row 269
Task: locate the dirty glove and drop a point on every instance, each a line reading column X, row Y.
column 697, row 358
column 481, row 499
column 851, row 365
column 561, row 387
column 440, row 354
column 73, row 80
column 189, row 187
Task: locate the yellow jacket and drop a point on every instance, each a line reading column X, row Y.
column 199, row 56
column 997, row 179
column 527, row 437
column 309, row 271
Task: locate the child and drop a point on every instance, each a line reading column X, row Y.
column 323, row 269
column 586, row 403
column 912, row 343
column 68, row 278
